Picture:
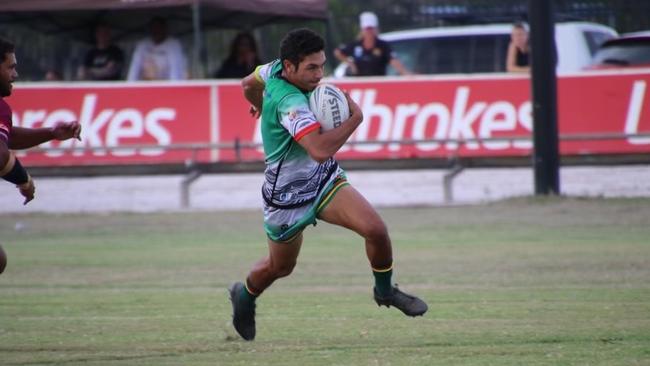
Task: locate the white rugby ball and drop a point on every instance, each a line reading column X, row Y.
column 329, row 105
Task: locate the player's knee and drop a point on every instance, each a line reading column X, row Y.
column 284, row 269
column 376, row 231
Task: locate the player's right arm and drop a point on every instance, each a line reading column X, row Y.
column 253, row 87
column 254, row 84
column 321, row 145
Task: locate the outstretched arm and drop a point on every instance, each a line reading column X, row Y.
column 24, row 138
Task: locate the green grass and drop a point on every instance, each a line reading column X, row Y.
column 521, row 282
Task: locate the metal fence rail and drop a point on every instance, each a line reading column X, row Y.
column 239, row 146
column 454, row 164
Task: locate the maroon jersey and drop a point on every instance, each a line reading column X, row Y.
column 5, row 121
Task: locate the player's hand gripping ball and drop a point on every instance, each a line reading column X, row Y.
column 329, row 105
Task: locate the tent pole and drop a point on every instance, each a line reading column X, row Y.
column 197, row 62
column 329, row 41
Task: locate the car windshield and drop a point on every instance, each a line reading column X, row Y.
column 595, row 39
column 453, row 54
column 629, row 53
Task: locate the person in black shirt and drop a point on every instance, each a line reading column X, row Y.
column 105, row 60
column 242, row 59
column 518, row 50
column 369, row 55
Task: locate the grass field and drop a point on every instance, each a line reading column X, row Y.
column 521, row 282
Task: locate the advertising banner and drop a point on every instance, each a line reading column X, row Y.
column 423, row 117
column 116, row 116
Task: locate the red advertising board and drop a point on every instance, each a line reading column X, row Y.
column 119, row 115
column 165, row 116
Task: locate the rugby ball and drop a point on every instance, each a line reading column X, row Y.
column 329, row 105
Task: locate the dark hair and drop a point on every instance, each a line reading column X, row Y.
column 158, row 20
column 101, row 24
column 299, row 43
column 239, row 38
column 5, row 48
column 520, row 25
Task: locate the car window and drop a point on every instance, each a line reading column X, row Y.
column 408, row 51
column 632, row 53
column 595, row 39
column 453, row 54
column 489, row 53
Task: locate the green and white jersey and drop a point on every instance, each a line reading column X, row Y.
column 292, row 177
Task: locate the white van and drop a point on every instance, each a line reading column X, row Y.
column 483, row 48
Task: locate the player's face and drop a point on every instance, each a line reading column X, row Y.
column 8, row 74
column 309, row 71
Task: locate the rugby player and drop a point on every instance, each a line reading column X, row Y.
column 303, row 182
column 12, row 137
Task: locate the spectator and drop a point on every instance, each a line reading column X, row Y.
column 158, row 57
column 242, row 59
column 518, row 49
column 369, row 55
column 52, row 75
column 105, row 60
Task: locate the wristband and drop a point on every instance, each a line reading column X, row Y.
column 17, row 175
column 10, row 164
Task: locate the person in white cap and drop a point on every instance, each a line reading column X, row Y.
column 369, row 55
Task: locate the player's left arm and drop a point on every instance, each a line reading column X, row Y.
column 24, row 138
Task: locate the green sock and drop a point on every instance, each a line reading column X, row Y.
column 247, row 295
column 383, row 281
